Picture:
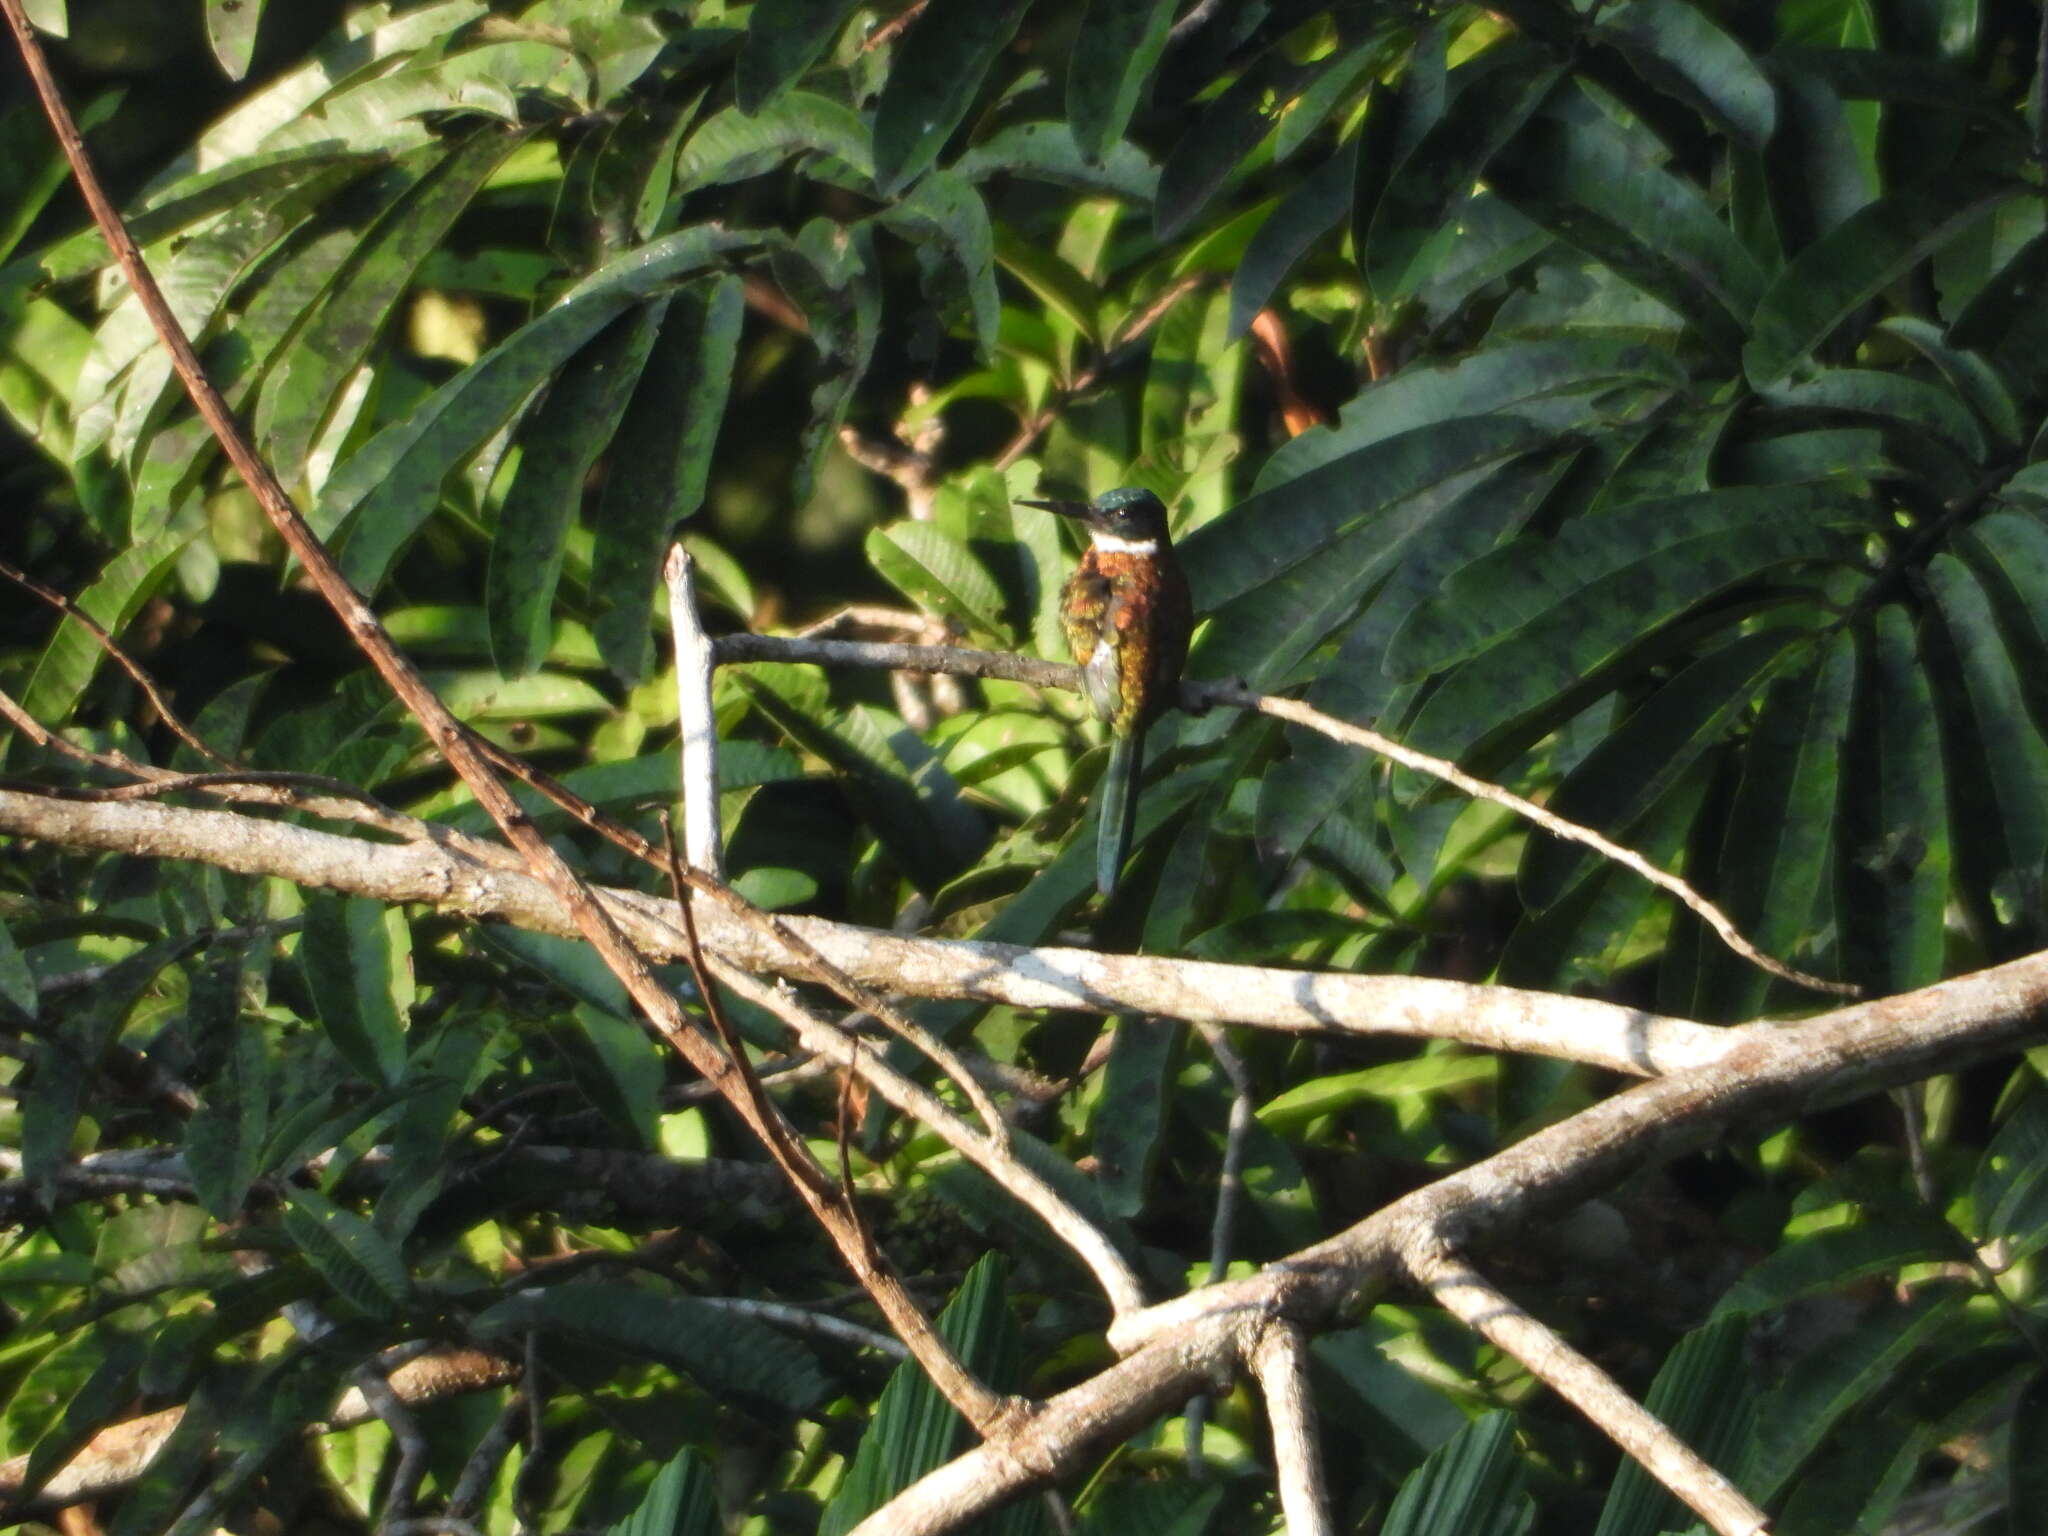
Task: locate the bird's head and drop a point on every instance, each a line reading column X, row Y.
column 1130, row 518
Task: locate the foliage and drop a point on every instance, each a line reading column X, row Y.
column 1681, row 382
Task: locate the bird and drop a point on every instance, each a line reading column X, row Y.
column 1128, row 616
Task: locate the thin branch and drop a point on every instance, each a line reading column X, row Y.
column 1088, row 1242
column 1202, row 696
column 470, row 1489
column 121, row 658
column 1229, row 1196
column 701, row 838
column 1469, row 1297
column 1279, row 1362
column 833, row 1206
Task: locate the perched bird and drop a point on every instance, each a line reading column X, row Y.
column 1127, row 616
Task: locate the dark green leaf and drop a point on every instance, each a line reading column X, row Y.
column 732, row 146
column 1414, row 222
column 1703, row 1393
column 1679, row 49
column 224, row 1144
column 1471, row 1486
column 1215, row 147
column 558, row 445
column 2027, row 1460
column 914, row 1429
column 784, row 38
column 1113, row 56
column 681, row 1501
column 357, row 955
column 933, row 79
column 390, row 485
column 1833, row 277
column 1315, row 206
column 660, row 462
column 1132, row 1109
column 17, row 982
column 74, row 654
column 1835, row 1257
column 351, row 1255
column 724, row 1350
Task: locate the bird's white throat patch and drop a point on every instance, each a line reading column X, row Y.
column 1110, row 543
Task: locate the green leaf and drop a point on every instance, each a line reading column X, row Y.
column 1471, row 1486
column 1113, row 56
column 1275, row 529
column 832, row 275
column 1836, row 1257
column 733, row 145
column 1573, row 171
column 1637, row 763
column 947, row 223
column 1419, row 1077
column 382, row 268
column 1703, row 1393
column 17, row 982
column 1336, row 78
column 1893, row 399
column 937, row 571
column 681, row 1501
column 1552, row 382
column 1317, row 205
column 1680, row 50
column 74, row 654
column 723, row 1350
column 1048, row 152
column 1216, row 146
column 231, row 31
column 933, row 79
column 2014, row 751
column 1056, row 284
column 784, row 39
column 2009, row 1195
column 390, row 485
column 1412, row 224
column 1896, row 822
column 1781, row 831
column 1535, row 580
column 2027, row 1459
column 1826, row 1385
column 225, row 1141
column 914, row 1429
column 559, row 443
column 624, row 1074
column 660, row 462
column 357, row 956
column 1967, row 374
column 1131, row 1113
column 351, row 1255
column 1845, row 268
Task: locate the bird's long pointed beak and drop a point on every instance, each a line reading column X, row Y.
column 1078, row 509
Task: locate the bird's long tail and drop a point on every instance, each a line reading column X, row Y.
column 1119, row 815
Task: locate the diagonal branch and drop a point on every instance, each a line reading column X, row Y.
column 1473, row 1300
column 1200, row 696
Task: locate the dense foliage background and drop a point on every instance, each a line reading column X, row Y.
column 1640, row 402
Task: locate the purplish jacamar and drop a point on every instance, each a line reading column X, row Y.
column 1128, row 617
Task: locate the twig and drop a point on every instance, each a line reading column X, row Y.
column 1201, row 696
column 833, row 1207
column 888, row 30
column 1087, row 1241
column 1279, row 1361
column 1229, row 1196
column 1114, row 351
column 701, row 839
column 121, row 658
column 817, row 1324
column 467, row 1497
column 1469, row 1297
column 405, row 1434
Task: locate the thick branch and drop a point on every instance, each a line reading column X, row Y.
column 1491, row 1018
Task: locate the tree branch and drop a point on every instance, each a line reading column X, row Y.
column 453, row 879
column 1199, row 696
